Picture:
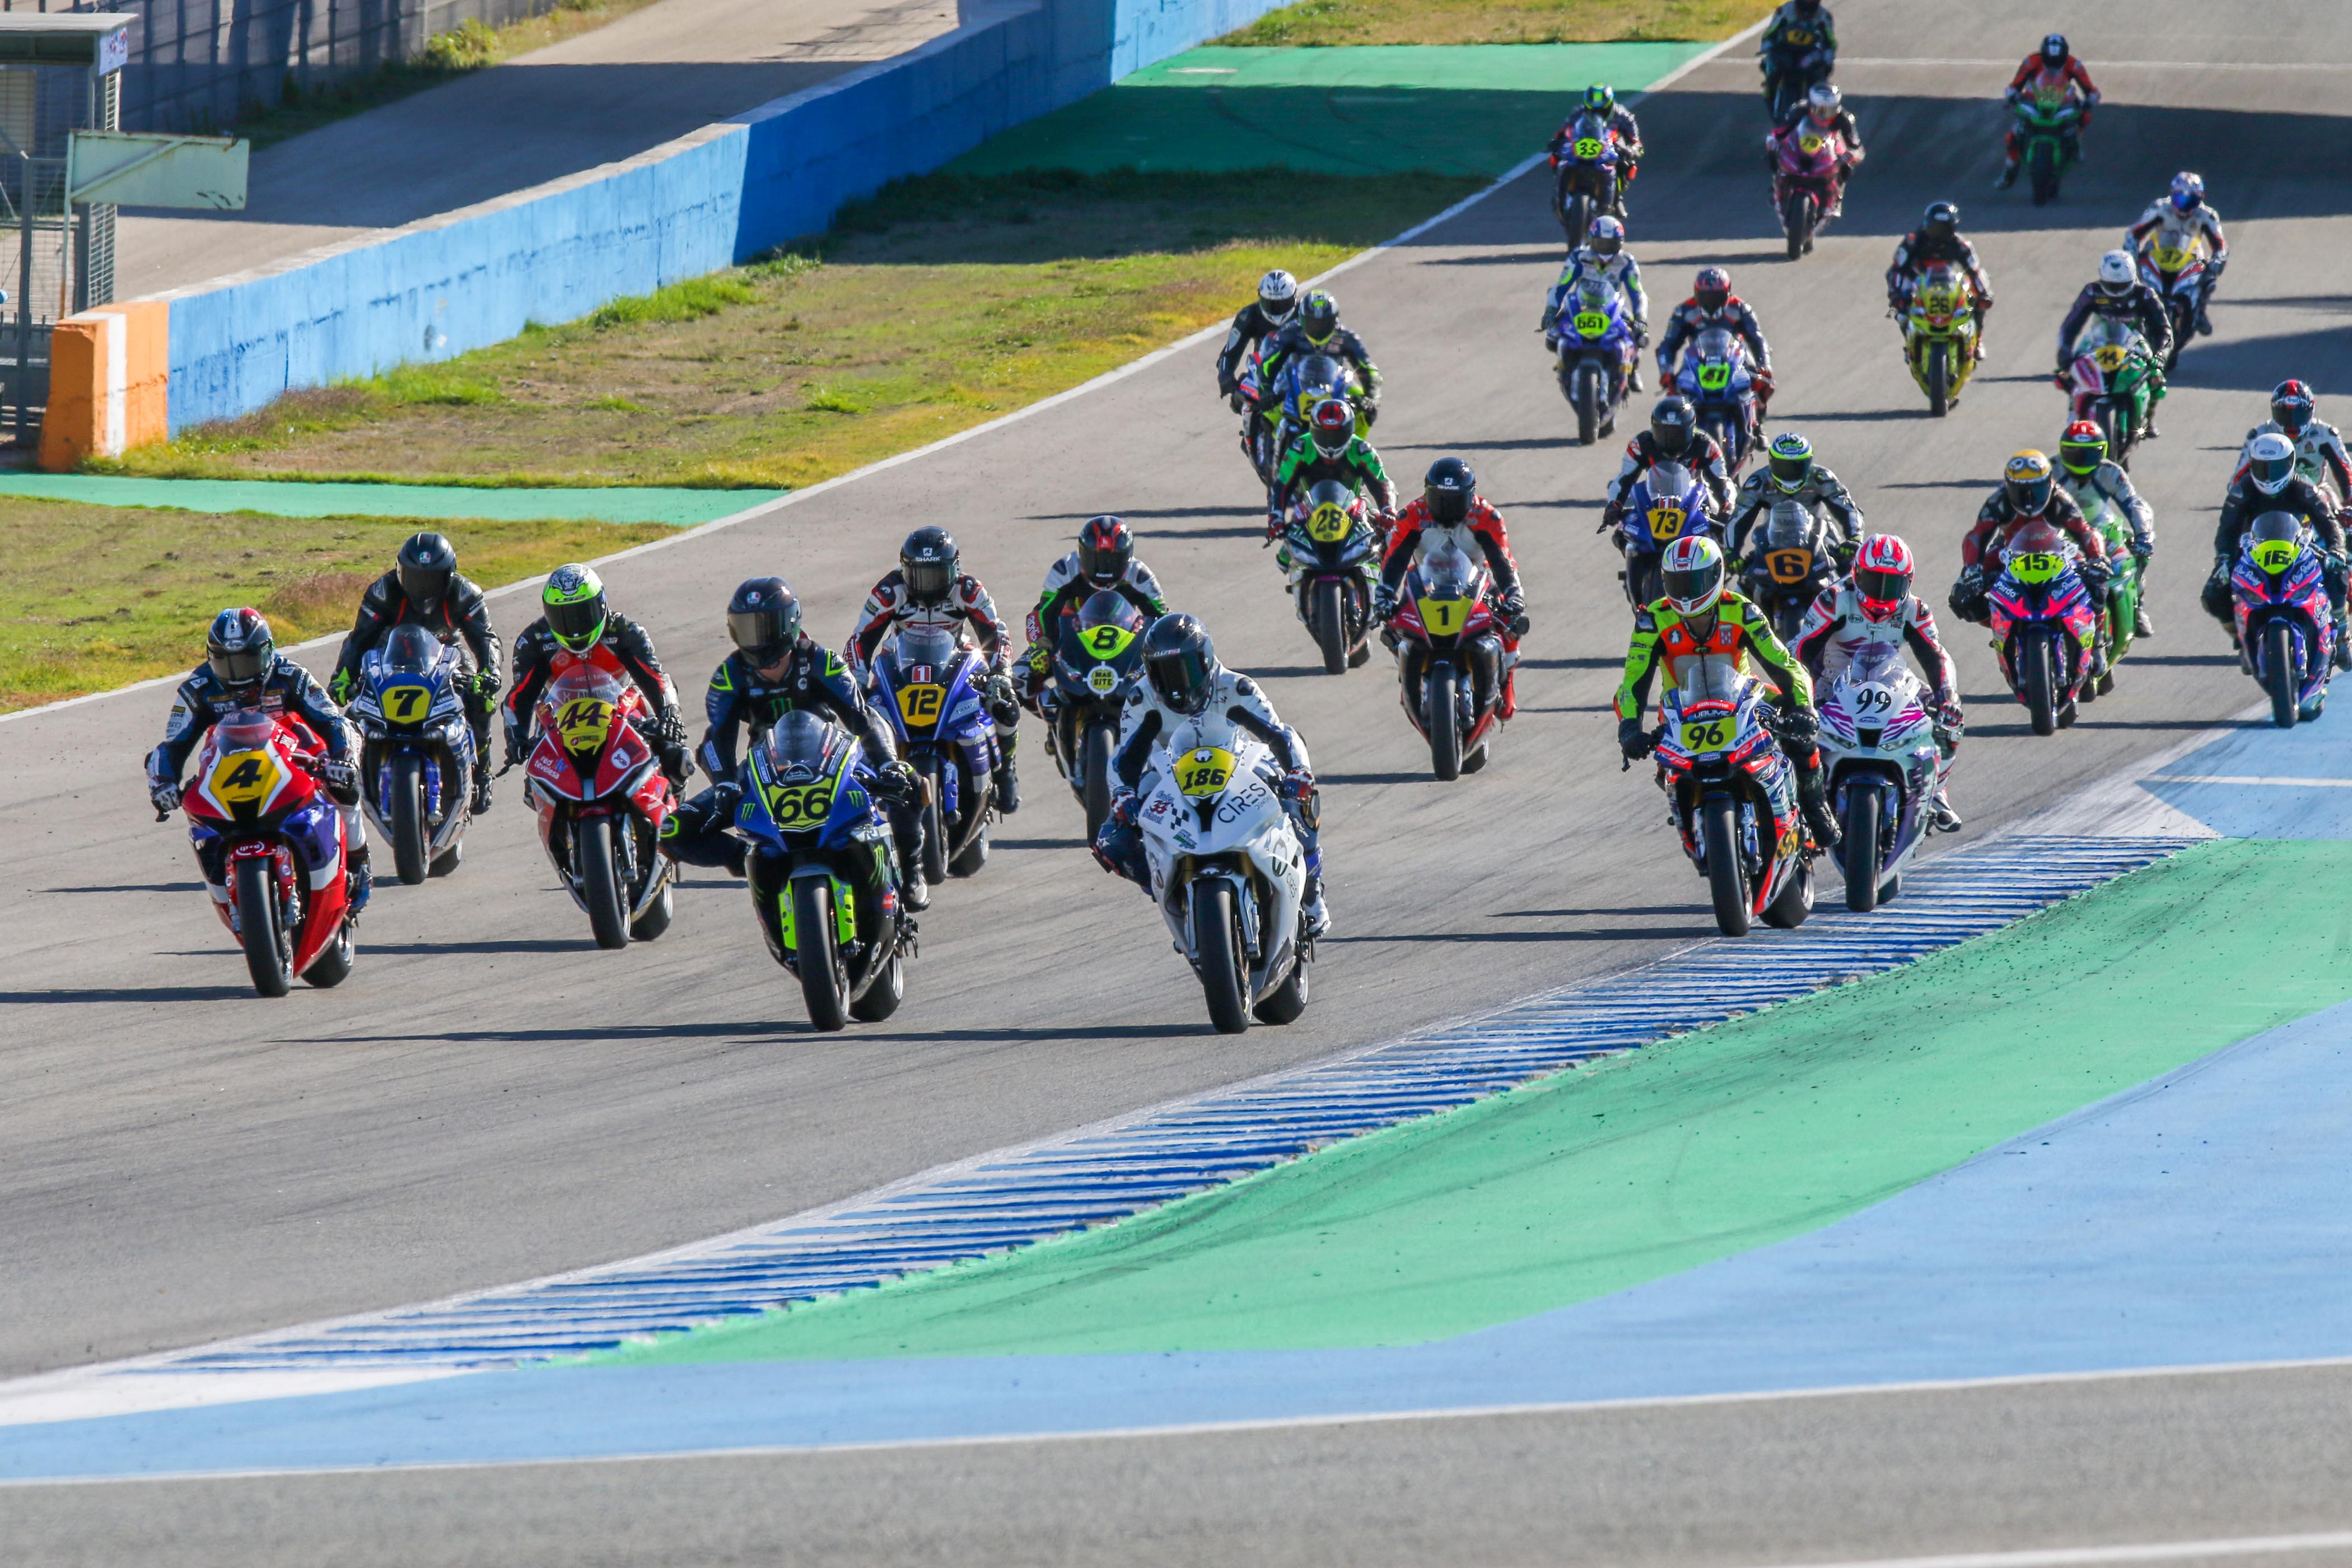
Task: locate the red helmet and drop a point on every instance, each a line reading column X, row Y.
column 1882, row 577
column 1711, row 287
column 1334, row 427
column 2291, row 405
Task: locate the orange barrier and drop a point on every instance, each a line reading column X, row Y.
column 110, row 372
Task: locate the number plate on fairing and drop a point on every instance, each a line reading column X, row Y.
column 1203, row 772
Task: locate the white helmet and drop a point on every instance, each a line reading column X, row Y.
column 1606, row 236
column 2270, row 462
column 1277, row 295
column 1824, row 103
column 2117, row 275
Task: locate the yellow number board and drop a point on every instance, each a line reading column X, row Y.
column 801, row 805
column 1103, row 642
column 406, row 702
column 1667, row 521
column 1204, row 770
column 919, row 704
column 1330, row 525
column 1587, row 148
column 2171, row 258
column 2037, row 566
column 1790, row 565
column 582, row 724
column 1443, row 617
column 2275, row 555
column 245, row 778
column 1706, row 735
column 2109, row 357
column 1592, row 323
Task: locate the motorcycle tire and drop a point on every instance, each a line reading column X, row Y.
column 2040, row 679
column 1795, row 901
column 1223, row 969
column 657, row 918
column 1444, row 720
column 269, row 947
column 1094, row 773
column 1286, row 1002
column 2109, row 419
column 1588, row 407
column 2042, row 166
column 1578, row 219
column 2278, row 674
column 971, row 856
column 403, row 810
column 1939, row 380
column 935, row 827
column 333, row 964
column 1797, row 222
column 1726, row 878
column 448, row 860
column 817, row 955
column 881, row 999
column 600, row 882
column 1861, row 848
column 1331, row 620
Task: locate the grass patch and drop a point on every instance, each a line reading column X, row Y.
column 941, row 303
column 1324, row 22
column 105, row 596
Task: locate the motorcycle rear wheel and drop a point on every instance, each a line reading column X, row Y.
column 2278, row 674
column 1094, row 773
column 935, row 826
column 1939, row 380
column 1216, row 939
column 1576, row 218
column 404, row 810
column 600, row 882
column 1286, row 1002
column 2041, row 682
column 1330, row 617
column 268, row 955
column 333, row 964
column 817, row 954
column 1726, row 878
column 881, row 999
column 1445, row 722
column 1861, row 829
column 1795, row 901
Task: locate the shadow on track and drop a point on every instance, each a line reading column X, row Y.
column 1605, row 933
column 150, row 993
column 436, row 949
column 132, row 888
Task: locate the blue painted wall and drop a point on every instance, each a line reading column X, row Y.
column 723, row 196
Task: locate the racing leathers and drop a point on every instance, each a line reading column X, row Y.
column 1790, row 35
column 1918, row 250
column 1251, row 327
column 2164, row 226
column 1703, row 455
column 1623, row 273
column 1690, row 318
column 1142, row 751
column 462, row 616
column 2299, row 498
column 1066, row 588
column 2109, row 484
column 1624, row 129
column 201, row 702
column 1481, row 532
column 1836, row 630
column 2143, row 312
column 890, row 608
column 1821, row 490
column 624, row 650
column 1304, row 466
column 1843, row 126
column 1340, row 343
column 1996, row 520
column 2319, row 454
column 2036, row 76
column 1736, row 628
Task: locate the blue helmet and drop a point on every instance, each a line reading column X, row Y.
column 2188, row 191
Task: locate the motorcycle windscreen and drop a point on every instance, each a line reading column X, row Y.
column 1710, row 678
column 411, row 650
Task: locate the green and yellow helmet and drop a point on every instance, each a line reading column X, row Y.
column 574, row 602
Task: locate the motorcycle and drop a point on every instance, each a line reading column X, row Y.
column 1733, row 795
column 809, row 814
column 2044, row 626
column 1586, row 186
column 2046, row 120
column 2109, row 383
column 2286, row 631
column 1228, row 873
column 1666, row 503
column 1716, row 377
column 1259, row 418
column 1792, row 67
column 2120, row 611
column 417, row 750
column 254, row 800
column 1878, row 747
column 2177, row 273
column 933, row 688
column 1593, row 338
column 596, row 783
column 1332, row 553
column 1448, row 631
column 1098, row 659
column 1790, row 562
column 1939, row 334
column 1805, row 165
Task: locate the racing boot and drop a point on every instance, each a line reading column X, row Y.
column 2141, row 626
column 1941, row 817
column 2204, row 323
column 1314, row 919
column 913, row 890
column 2343, row 641
column 1812, row 798
column 2008, row 175
column 359, row 880
column 1008, row 783
column 481, row 800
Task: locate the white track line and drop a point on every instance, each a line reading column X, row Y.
column 2272, row 781
column 2152, row 1552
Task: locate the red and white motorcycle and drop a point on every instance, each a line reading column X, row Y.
column 602, row 798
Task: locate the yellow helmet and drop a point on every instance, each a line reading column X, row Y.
column 2027, row 480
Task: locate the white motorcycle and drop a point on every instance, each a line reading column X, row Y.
column 1878, row 746
column 1229, row 872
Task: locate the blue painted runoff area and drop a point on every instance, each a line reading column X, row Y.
column 2201, row 1218
column 294, row 498
column 2263, row 783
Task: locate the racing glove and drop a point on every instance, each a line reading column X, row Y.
column 894, row 783
column 1236, row 402
column 485, row 685
column 1633, row 741
column 1798, row 729
column 1384, row 604
column 2096, row 573
column 164, row 797
column 341, row 685
column 1004, row 702
column 1968, row 595
column 1513, row 609
column 341, row 781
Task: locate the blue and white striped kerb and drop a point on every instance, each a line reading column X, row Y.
column 1099, row 1174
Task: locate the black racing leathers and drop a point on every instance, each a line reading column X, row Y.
column 2300, row 499
column 1251, row 326
column 202, row 700
column 462, row 615
column 1918, row 250
column 1292, row 342
column 2142, row 310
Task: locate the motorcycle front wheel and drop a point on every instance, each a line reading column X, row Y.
column 816, row 955
column 405, row 812
column 1330, row 615
column 1860, row 828
column 2278, row 673
column 1445, row 722
column 1217, row 941
column 2040, row 678
column 267, row 942
column 881, row 999
column 1094, row 760
column 1588, row 406
column 600, row 880
column 1726, row 878
column 1797, row 221
column 1939, row 380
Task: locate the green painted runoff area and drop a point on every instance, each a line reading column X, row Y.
column 294, row 498
column 1472, row 109
column 1658, row 1161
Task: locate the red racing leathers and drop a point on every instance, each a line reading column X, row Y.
column 1483, row 525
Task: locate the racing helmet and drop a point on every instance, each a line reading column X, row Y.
column 1883, row 570
column 1807, row 7
column 2292, row 406
column 2270, row 462
column 1600, row 98
column 765, row 620
column 573, row 601
column 240, row 650
column 1277, row 296
column 1691, row 573
column 928, row 562
column 1711, row 287
column 423, row 566
column 1942, row 220
column 2027, row 481
column 1106, row 550
column 1606, row 236
column 1334, row 425
column 1672, row 420
column 2083, row 447
column 1447, row 488
column 2188, row 191
column 1318, row 317
column 2117, row 274
column 1180, row 662
column 2053, row 49
column 1824, row 103
column 1792, row 460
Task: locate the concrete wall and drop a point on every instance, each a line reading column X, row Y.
column 466, row 279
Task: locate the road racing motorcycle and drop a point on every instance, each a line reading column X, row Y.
column 1331, row 552
column 1228, row 873
column 417, row 750
column 1883, row 765
column 1805, row 163
column 2177, row 273
column 933, row 688
column 1733, row 797
column 1666, row 503
column 2047, row 116
column 1790, row 559
column 1593, row 338
column 1098, row 661
column 1586, row 180
column 2107, row 383
column 1794, row 65
column 2118, row 613
column 817, row 836
column 1721, row 386
column 1939, row 334
column 256, row 810
column 1450, row 665
column 596, row 783
column 2286, row 631
column 2044, row 626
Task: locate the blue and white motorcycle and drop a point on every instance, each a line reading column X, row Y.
column 934, row 690
column 1721, row 386
column 416, row 755
column 1593, row 337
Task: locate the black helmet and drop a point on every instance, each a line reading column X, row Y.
column 425, row 564
column 1448, row 490
column 1671, row 423
column 1180, row 662
column 240, row 651
column 764, row 619
column 574, row 602
column 1318, row 316
column 1106, row 550
column 2053, row 47
column 2291, row 405
column 927, row 561
column 1942, row 220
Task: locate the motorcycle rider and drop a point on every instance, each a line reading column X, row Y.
column 2029, row 493
column 1673, row 437
column 1874, row 604
column 930, row 589
column 1104, row 561
column 1826, row 114
column 1451, row 509
column 577, row 628
column 2085, row 473
column 243, row 668
column 1317, row 331
column 1789, row 473
column 1713, row 304
column 2319, row 449
column 1798, row 28
column 1183, row 680
column 2269, row 483
column 2053, row 66
column 778, row 669
column 1328, row 448
column 2120, row 294
column 1937, row 240
column 1262, row 318
column 2176, row 220
column 1602, row 255
column 1601, row 100
column 1700, row 613
column 424, row 589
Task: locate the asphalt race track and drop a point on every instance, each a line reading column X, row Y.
column 489, row 1098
